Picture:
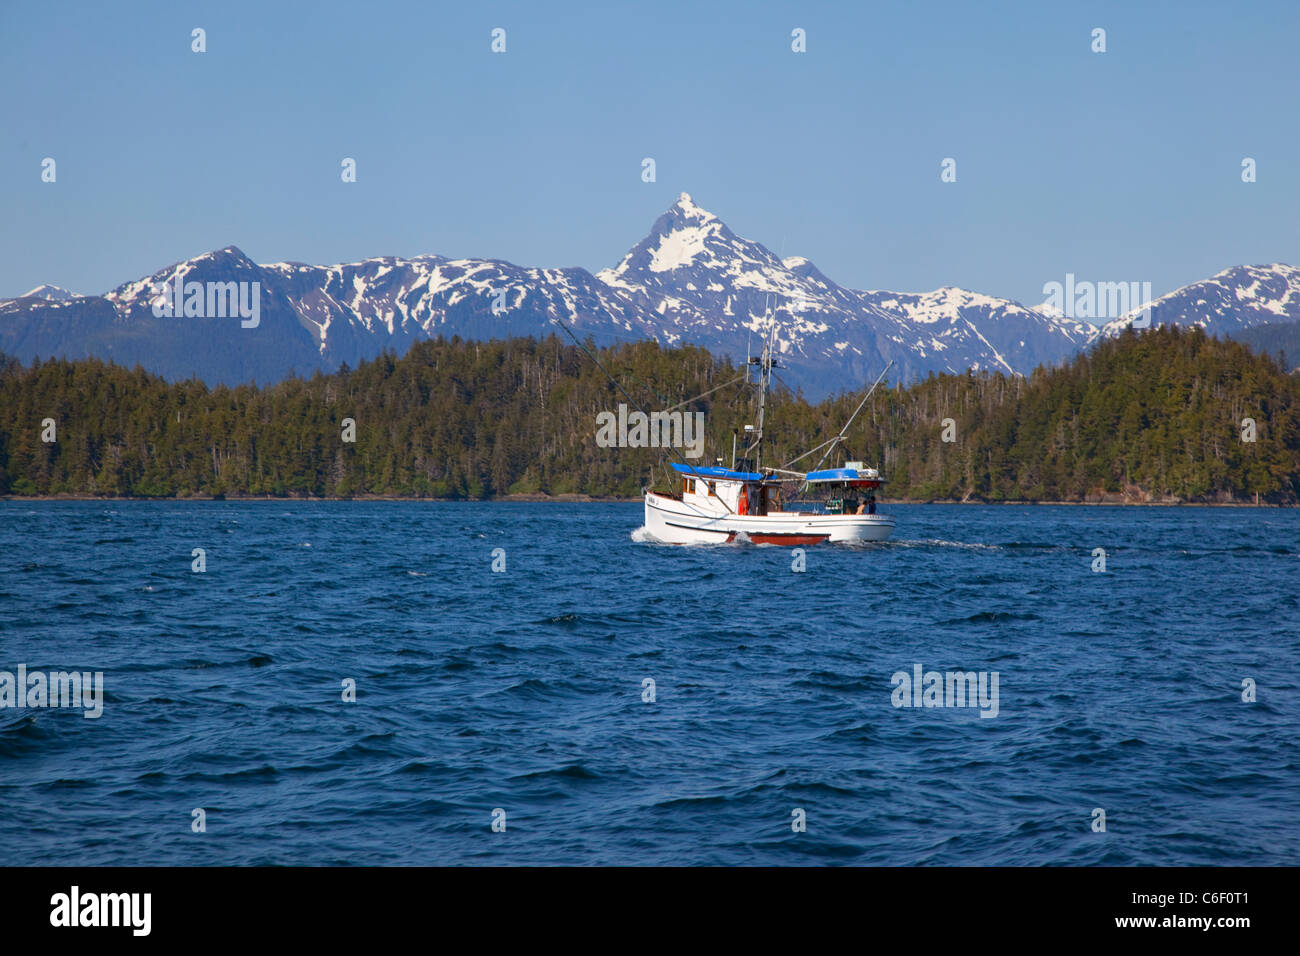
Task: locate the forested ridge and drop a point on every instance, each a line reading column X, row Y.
column 1279, row 339
column 1152, row 415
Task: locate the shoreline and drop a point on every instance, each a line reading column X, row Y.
column 577, row 498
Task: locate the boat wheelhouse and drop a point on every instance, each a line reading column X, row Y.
column 849, row 490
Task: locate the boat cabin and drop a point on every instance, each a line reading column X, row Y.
column 720, row 489
column 840, row 491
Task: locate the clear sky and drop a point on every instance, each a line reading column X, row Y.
column 1115, row 166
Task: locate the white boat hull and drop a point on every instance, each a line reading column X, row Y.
column 673, row 521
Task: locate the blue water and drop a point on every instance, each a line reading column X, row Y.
column 522, row 690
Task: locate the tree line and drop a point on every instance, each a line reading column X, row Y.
column 1164, row 413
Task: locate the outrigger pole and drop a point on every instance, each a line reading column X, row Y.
column 637, row 405
column 840, row 437
column 672, row 408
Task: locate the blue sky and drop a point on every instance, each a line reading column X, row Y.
column 1120, row 166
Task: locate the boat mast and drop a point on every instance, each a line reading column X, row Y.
column 765, row 365
column 763, row 373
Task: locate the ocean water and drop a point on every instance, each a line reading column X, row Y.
column 524, row 690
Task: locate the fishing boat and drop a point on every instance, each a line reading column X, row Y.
column 762, row 505
column 718, row 505
column 748, row 502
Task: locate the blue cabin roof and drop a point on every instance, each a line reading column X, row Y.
column 839, row 474
column 714, row 471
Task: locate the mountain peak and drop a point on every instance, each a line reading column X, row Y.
column 224, row 254
column 224, row 264
column 51, row 292
column 686, row 208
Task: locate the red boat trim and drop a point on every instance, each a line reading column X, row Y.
column 791, row 538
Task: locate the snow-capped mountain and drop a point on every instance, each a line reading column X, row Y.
column 51, row 292
column 708, row 286
column 691, row 280
column 1227, row 302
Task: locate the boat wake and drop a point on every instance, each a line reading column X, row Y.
column 941, row 543
column 642, row 535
